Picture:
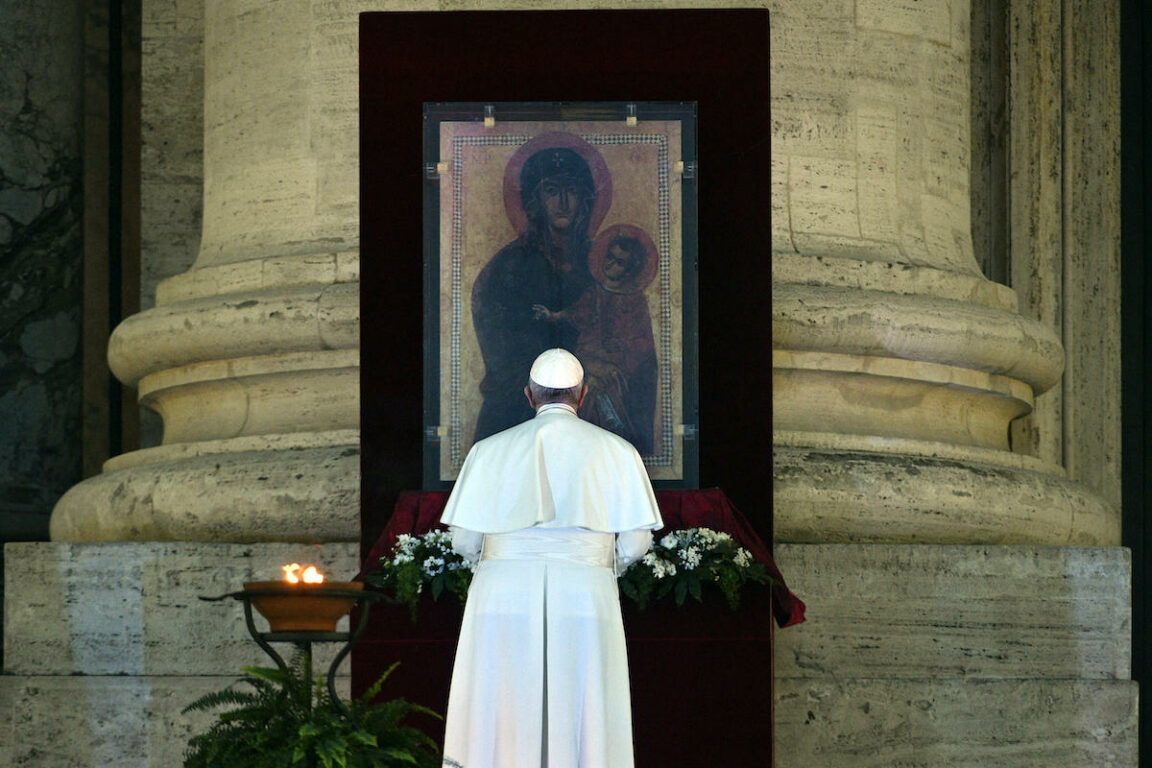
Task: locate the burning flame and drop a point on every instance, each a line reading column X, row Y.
column 310, row 574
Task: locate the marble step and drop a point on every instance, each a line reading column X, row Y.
column 927, row 611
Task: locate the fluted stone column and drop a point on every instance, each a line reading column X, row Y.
column 252, row 356
column 889, row 343
column 943, row 628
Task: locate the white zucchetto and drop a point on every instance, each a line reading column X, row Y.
column 557, row 369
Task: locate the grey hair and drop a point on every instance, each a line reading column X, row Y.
column 542, row 395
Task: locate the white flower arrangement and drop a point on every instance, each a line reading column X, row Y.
column 416, row 561
column 680, row 564
column 684, row 561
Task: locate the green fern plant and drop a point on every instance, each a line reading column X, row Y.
column 287, row 719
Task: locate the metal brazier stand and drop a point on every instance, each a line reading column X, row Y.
column 306, row 596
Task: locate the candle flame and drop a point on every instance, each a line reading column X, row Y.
column 295, row 573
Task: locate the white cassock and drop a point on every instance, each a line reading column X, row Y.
column 553, row 508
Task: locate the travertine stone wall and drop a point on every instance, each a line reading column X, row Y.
column 107, row 643
column 949, row 723
column 914, row 612
column 948, row 656
column 134, row 609
column 129, row 722
column 899, row 370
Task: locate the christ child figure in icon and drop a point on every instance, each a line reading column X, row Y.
column 615, row 342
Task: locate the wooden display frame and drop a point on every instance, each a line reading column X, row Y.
column 715, row 58
column 635, row 333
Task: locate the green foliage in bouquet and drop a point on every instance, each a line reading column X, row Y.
column 419, row 563
column 287, row 719
column 686, row 561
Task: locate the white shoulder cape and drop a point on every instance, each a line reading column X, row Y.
column 556, row 469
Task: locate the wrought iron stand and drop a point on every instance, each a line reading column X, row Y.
column 304, row 639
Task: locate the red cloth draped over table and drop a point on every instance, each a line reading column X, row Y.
column 701, row 675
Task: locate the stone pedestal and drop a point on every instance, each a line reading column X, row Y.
column 105, row 644
column 956, row 656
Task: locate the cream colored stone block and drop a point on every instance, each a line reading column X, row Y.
column 338, row 440
column 837, row 247
column 135, row 608
column 781, row 226
column 877, row 152
column 808, row 56
column 99, row 722
column 281, row 112
column 236, row 325
column 338, row 186
column 221, row 399
column 975, row 612
column 956, row 724
column 812, row 126
column 95, row 722
column 269, row 274
column 889, row 277
column 886, row 94
column 944, row 237
column 823, row 197
column 921, row 19
column 338, row 317
column 286, row 201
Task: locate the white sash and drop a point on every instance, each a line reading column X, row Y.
column 579, row 547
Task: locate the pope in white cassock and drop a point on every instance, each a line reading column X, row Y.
column 553, row 509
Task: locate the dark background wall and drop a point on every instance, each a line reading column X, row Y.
column 41, row 260
column 41, row 251
column 69, row 155
column 1136, row 220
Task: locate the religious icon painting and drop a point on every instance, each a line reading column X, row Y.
column 561, row 225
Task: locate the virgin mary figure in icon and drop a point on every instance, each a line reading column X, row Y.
column 556, row 190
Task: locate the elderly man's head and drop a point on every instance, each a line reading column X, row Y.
column 556, row 377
